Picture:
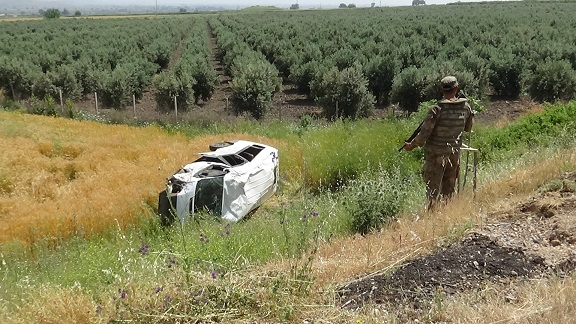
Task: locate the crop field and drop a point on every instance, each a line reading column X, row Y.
column 391, row 55
column 61, row 178
column 346, row 238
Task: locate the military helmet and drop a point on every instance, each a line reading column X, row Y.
column 448, row 83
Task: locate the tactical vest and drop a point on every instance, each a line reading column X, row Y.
column 452, row 117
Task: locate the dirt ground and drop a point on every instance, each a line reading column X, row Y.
column 288, row 105
column 536, row 238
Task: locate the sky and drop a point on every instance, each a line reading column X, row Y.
column 226, row 3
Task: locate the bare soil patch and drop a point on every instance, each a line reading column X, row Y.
column 536, row 238
column 288, row 105
column 503, row 110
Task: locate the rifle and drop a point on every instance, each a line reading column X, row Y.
column 412, row 136
column 461, row 94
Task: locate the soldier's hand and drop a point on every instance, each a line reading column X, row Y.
column 408, row 146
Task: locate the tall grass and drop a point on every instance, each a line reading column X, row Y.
column 281, row 264
column 64, row 178
column 336, row 154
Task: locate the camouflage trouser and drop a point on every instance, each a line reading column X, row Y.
column 440, row 172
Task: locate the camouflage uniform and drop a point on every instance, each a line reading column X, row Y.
column 441, row 137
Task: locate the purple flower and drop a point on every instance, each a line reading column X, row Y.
column 144, row 249
column 314, row 214
column 304, row 217
column 199, row 293
column 123, row 293
column 168, row 299
column 99, row 309
column 215, row 274
column 204, row 238
column 170, row 262
column 158, row 289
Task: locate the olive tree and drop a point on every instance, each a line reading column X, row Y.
column 344, row 94
column 52, row 13
column 552, row 80
column 253, row 86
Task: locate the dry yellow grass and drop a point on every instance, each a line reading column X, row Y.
column 96, row 17
column 20, row 18
column 61, row 177
column 55, row 305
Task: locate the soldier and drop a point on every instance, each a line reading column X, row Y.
column 441, row 136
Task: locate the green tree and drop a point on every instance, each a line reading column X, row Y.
column 344, row 94
column 351, row 5
column 206, row 80
column 65, row 12
column 342, row 5
column 253, row 86
column 303, row 74
column 52, row 13
column 380, row 72
column 16, row 77
column 552, row 80
column 506, row 69
column 77, row 13
column 169, row 84
column 407, row 88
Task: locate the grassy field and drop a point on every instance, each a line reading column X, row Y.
column 62, row 178
column 77, row 201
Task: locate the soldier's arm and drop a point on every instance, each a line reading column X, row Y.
column 469, row 120
column 427, row 127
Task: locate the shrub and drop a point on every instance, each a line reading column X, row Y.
column 254, row 84
column 65, row 80
column 200, row 70
column 552, row 80
column 43, row 85
column 506, row 70
column 139, row 75
column 284, row 61
column 376, row 199
column 380, row 72
column 117, row 89
column 92, row 80
column 407, row 88
column 16, row 77
column 467, row 82
column 302, row 75
column 344, row 94
column 46, row 107
column 168, row 85
column 159, row 53
column 52, row 13
column 345, row 58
